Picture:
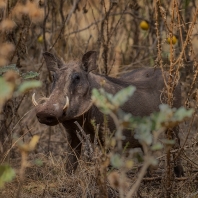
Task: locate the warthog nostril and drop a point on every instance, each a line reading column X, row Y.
column 46, row 118
column 50, row 118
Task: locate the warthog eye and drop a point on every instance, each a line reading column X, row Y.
column 53, row 77
column 76, row 78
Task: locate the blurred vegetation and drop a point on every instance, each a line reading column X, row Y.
column 147, row 131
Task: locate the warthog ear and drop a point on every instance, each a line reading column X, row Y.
column 53, row 63
column 89, row 61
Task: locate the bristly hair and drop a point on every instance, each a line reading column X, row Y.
column 116, row 80
column 140, row 83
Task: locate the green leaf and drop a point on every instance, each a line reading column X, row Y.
column 6, row 68
column 6, row 174
column 107, row 103
column 100, row 100
column 154, row 161
column 168, row 142
column 30, row 75
column 182, row 113
column 6, row 90
column 143, row 131
column 116, row 161
column 27, row 85
column 122, row 96
column 38, row 162
column 157, row 146
column 159, row 118
column 169, row 117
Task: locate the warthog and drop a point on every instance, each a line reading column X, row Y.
column 70, row 99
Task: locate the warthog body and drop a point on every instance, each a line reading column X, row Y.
column 70, row 99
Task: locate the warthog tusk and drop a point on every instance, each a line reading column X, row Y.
column 67, row 103
column 33, row 100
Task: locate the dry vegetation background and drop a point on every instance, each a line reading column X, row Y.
column 69, row 28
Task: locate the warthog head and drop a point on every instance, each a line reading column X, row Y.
column 71, row 94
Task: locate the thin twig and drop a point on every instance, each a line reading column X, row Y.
column 68, row 17
column 141, row 174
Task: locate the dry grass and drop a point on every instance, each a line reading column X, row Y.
column 51, row 179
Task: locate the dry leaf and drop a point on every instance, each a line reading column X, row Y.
column 7, row 25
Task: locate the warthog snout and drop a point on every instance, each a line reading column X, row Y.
column 49, row 112
column 45, row 118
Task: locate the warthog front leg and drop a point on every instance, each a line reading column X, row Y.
column 74, row 154
column 178, row 169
